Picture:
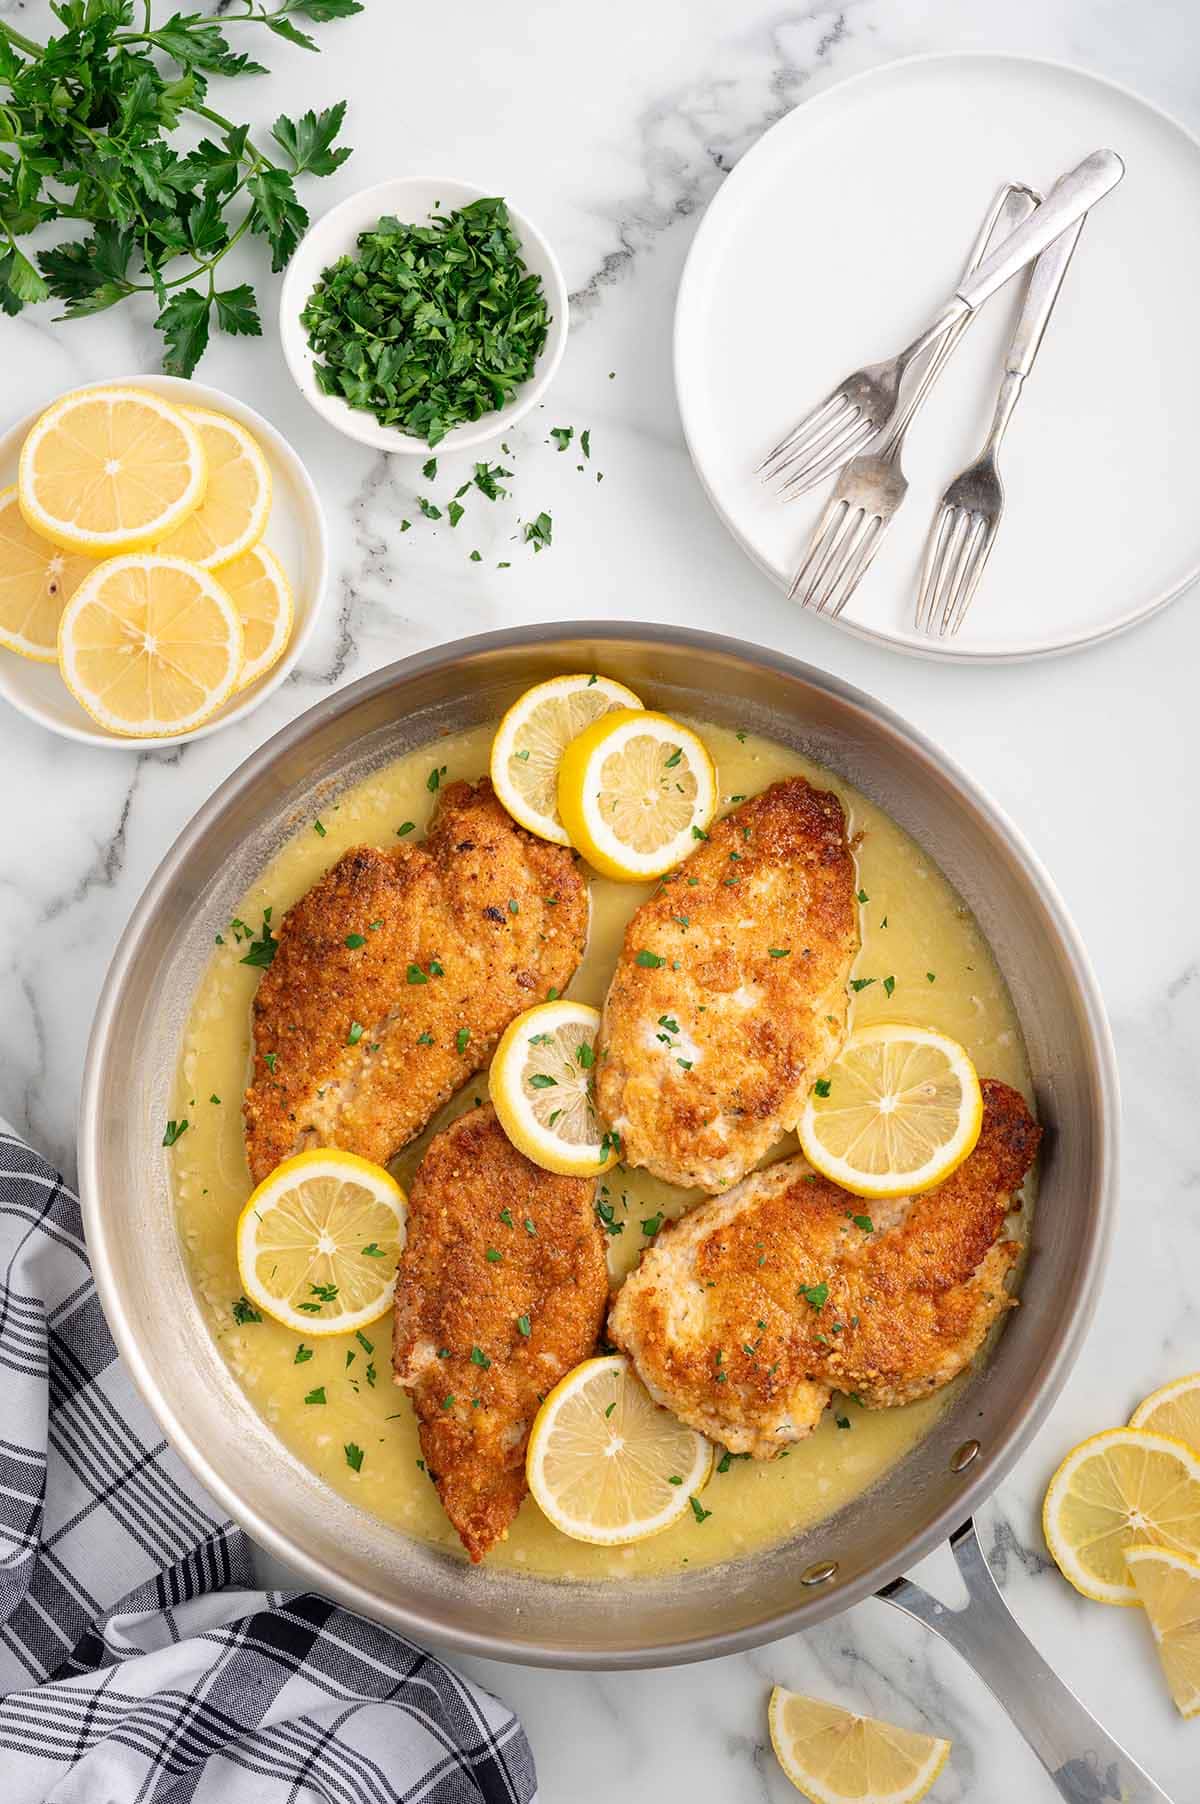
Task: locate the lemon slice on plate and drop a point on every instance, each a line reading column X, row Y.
column 110, row 469
column 532, row 738
column 317, row 1243
column 262, row 595
column 1168, row 1586
column 836, row 1757
column 1112, row 1492
column 542, row 1087
column 233, row 515
column 606, row 1464
column 1173, row 1409
column 150, row 645
column 36, row 580
column 635, row 793
column 897, row 1113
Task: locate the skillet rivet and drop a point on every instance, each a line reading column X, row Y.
column 963, row 1457
column 819, row 1574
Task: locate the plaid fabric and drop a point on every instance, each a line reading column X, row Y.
column 135, row 1664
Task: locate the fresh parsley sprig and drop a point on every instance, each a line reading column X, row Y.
column 85, row 134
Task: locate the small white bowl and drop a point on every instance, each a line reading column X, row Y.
column 410, row 198
column 295, row 532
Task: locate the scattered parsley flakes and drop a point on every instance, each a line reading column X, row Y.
column 698, row 1510
column 355, row 1034
column 318, row 829
column 404, row 827
column 175, row 1130
column 815, row 1295
column 461, row 1038
column 539, row 532
column 354, row 940
column 354, row 1456
column 244, row 1312
column 822, row 1086
column 524, row 1326
column 317, row 1396
column 650, row 961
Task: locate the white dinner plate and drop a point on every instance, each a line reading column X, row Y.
column 295, row 533
column 835, row 240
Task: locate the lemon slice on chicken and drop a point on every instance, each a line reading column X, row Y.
column 532, row 738
column 317, row 1243
column 606, row 1464
column 636, row 791
column 541, row 1085
column 836, row 1757
column 111, row 469
column 898, row 1112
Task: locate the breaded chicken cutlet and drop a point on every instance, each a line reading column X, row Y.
column 396, row 974
column 730, row 992
column 748, row 1313
column 501, row 1289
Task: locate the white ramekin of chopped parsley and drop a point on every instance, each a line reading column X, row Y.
column 420, row 313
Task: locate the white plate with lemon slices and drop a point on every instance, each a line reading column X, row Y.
column 285, row 570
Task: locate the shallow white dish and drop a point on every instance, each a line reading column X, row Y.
column 295, row 532
column 412, row 199
column 821, row 253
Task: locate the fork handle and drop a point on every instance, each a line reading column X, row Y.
column 1045, row 280
column 1068, row 200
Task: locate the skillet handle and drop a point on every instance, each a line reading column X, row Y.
column 1085, row 1763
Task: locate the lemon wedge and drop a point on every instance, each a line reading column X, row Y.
column 836, row 1757
column 150, row 645
column 1173, row 1409
column 262, row 595
column 635, row 792
column 37, row 578
column 606, row 1464
column 232, row 517
column 317, row 1243
column 110, row 469
column 1118, row 1490
column 1168, row 1588
column 896, row 1113
column 542, row 1086
column 532, row 738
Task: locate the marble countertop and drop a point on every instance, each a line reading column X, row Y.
column 613, row 126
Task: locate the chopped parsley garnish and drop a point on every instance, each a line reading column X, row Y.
column 584, row 1056
column 529, row 1227
column 823, row 1086
column 461, row 1038
column 524, row 1326
column 371, row 1251
column 650, row 961
column 354, row 1456
column 698, row 833
column 889, row 984
column 174, row 1131
column 605, row 1214
column 404, row 827
column 317, row 1396
column 674, row 759
column 863, row 896
column 864, row 1222
column 652, row 1224
column 861, row 983
column 354, row 940
column 425, row 1039
column 562, row 436
column 262, row 949
column 318, row 829
column 698, row 1510
column 843, row 1421
column 931, row 976
column 779, row 952
column 434, row 778
column 541, row 1081
column 429, row 469
column 270, row 1060
column 355, row 1034
column 494, row 1255
column 368, row 1346
column 416, row 975
column 815, row 1295
column 539, row 532
column 244, row 1311
column 480, row 1358
column 303, row 1354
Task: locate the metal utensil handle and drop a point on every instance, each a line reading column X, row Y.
column 1011, row 207
column 1045, row 280
column 1069, row 199
column 1085, row 1763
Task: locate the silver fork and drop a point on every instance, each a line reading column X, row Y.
column 865, row 402
column 968, row 516
column 873, row 484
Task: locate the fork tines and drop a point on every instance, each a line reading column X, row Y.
column 824, row 439
column 955, row 554
column 841, row 548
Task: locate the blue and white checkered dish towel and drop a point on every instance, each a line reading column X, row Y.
column 135, row 1664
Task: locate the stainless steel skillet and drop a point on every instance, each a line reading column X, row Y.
column 697, row 1614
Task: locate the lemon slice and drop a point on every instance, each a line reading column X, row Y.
column 110, row 469
column 835, row 1757
column 532, row 738
column 635, row 792
column 36, row 580
column 1168, row 1586
column 1173, row 1409
column 317, row 1243
column 233, row 515
column 897, row 1113
column 150, row 645
column 262, row 595
column 1116, row 1490
column 542, row 1086
column 606, row 1464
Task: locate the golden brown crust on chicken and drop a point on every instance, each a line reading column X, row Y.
column 706, row 1055
column 388, row 961
column 749, row 1312
column 475, row 1195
